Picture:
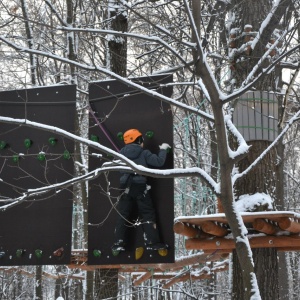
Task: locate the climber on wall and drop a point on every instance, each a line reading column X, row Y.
column 135, row 190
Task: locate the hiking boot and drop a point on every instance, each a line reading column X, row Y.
column 156, row 246
column 117, row 247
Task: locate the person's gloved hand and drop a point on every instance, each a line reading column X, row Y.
column 164, row 146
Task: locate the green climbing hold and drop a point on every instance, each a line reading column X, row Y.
column 41, row 156
column 115, row 252
column 2, row 144
column 27, row 143
column 52, row 141
column 149, row 134
column 94, row 138
column 20, row 252
column 120, row 136
column 67, row 154
column 38, row 253
column 97, row 253
column 15, row 158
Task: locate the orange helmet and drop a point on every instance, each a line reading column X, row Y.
column 131, row 135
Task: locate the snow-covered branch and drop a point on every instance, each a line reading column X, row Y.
column 258, row 77
column 112, row 75
column 242, row 145
column 132, row 35
column 168, row 173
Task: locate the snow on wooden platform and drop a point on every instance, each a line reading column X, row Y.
column 268, row 229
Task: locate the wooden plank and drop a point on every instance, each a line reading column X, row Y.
column 177, row 265
column 289, row 225
column 255, row 242
column 213, row 229
column 262, row 225
column 186, row 230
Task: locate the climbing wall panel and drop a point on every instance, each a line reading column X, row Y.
column 117, row 108
column 38, row 230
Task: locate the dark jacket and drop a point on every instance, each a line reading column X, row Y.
column 141, row 157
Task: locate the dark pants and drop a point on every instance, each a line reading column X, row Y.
column 137, row 195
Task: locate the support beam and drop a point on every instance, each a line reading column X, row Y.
column 189, row 230
column 197, row 258
column 262, row 225
column 255, row 242
column 186, row 230
column 193, row 260
column 288, row 225
column 185, row 277
column 156, row 276
column 213, row 229
column 142, row 278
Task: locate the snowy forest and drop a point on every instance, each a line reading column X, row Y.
column 228, row 59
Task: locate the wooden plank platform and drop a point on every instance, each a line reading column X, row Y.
column 79, row 259
column 211, row 233
column 248, row 217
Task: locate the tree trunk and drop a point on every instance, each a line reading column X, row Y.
column 58, row 284
column 262, row 179
column 38, row 283
column 89, row 285
column 280, row 205
column 226, row 165
column 29, row 42
column 117, row 56
column 117, row 62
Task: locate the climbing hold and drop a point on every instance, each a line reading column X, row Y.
column 94, row 138
column 97, row 253
column 120, row 136
column 115, row 252
column 20, row 252
column 163, row 252
column 52, row 141
column 15, row 158
column 38, row 253
column 67, row 154
column 149, row 134
column 41, row 156
column 139, row 253
column 3, row 145
column 2, row 253
column 27, row 143
column 59, row 252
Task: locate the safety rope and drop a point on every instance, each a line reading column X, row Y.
column 103, row 129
